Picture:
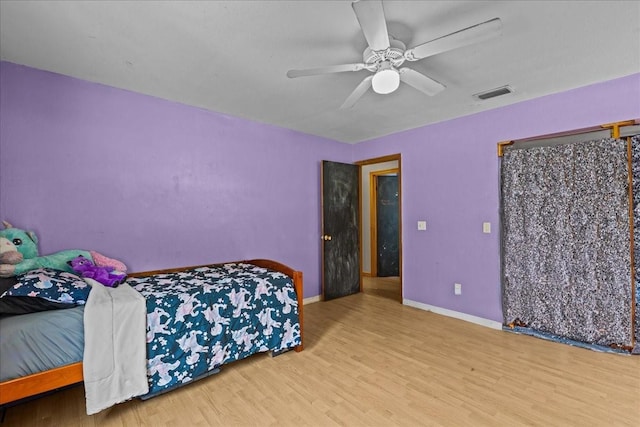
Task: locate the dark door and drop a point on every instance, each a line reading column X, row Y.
column 388, row 256
column 340, row 230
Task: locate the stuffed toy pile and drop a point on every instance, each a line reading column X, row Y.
column 19, row 254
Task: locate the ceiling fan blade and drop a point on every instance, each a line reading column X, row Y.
column 420, row 81
column 470, row 35
column 360, row 90
column 325, row 70
column 370, row 14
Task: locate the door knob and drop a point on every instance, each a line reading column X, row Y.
column 326, row 237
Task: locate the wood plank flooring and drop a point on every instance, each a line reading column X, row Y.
column 385, row 287
column 370, row 361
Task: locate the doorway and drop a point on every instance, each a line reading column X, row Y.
column 381, row 279
column 346, row 228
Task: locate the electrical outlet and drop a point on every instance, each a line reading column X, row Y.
column 457, row 288
column 486, row 227
column 422, row 225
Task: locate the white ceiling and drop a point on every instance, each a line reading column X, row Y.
column 232, row 56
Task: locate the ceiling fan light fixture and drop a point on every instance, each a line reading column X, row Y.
column 386, row 79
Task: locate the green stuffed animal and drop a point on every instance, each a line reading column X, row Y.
column 19, row 254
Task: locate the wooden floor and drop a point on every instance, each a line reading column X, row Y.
column 370, row 361
column 385, row 287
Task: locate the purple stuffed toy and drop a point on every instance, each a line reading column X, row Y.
column 105, row 275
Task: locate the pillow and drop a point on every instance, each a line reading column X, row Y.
column 23, row 305
column 50, row 285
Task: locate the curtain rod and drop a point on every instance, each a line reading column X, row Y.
column 613, row 130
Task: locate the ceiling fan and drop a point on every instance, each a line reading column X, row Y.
column 385, row 55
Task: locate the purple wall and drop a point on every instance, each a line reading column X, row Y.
column 450, row 179
column 161, row 184
column 155, row 183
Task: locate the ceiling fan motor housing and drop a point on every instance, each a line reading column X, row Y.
column 394, row 54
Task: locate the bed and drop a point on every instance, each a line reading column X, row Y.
column 205, row 308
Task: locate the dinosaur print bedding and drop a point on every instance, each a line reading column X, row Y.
column 200, row 319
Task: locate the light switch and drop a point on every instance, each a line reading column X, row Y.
column 486, row 227
column 457, row 288
column 422, row 225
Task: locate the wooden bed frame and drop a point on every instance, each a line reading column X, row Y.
column 41, row 382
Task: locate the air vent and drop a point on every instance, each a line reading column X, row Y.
column 493, row 93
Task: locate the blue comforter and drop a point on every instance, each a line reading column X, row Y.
column 200, row 319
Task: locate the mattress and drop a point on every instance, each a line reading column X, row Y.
column 36, row 342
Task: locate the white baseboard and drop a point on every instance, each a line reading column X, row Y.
column 311, row 300
column 456, row 314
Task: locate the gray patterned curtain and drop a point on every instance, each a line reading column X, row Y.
column 635, row 162
column 566, row 261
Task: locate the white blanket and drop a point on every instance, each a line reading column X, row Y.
column 115, row 356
